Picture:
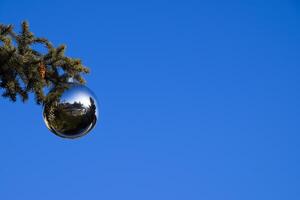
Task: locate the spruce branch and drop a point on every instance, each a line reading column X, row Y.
column 24, row 70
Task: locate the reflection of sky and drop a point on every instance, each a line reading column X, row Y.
column 79, row 94
column 80, row 97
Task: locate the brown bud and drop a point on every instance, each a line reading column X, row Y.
column 42, row 70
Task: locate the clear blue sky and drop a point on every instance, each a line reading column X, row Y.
column 199, row 100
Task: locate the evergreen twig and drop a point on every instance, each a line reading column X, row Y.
column 20, row 66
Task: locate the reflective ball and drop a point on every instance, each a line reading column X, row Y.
column 74, row 114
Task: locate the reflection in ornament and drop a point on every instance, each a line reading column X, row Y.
column 74, row 114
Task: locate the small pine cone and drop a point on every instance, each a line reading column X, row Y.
column 77, row 62
column 42, row 70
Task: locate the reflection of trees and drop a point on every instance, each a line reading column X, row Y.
column 91, row 113
column 71, row 119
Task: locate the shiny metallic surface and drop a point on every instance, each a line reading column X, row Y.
column 74, row 114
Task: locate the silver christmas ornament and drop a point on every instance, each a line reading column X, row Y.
column 74, row 114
